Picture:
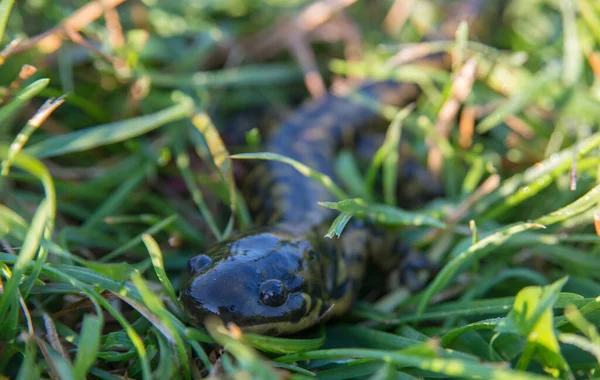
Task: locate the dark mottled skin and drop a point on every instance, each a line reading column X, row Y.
column 286, row 277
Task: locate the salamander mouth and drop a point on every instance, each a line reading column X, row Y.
column 311, row 311
column 315, row 315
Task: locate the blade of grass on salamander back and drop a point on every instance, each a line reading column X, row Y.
column 350, row 207
column 323, row 179
column 384, row 214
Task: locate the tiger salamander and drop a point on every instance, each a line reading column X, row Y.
column 286, row 276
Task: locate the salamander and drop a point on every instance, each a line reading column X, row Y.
column 285, row 276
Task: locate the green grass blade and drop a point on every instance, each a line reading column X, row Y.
column 452, row 335
column 29, row 369
column 324, row 180
column 578, row 320
column 338, row 225
column 531, row 317
column 27, row 253
column 18, row 228
column 582, row 343
column 89, row 342
column 38, row 170
column 519, row 100
column 388, row 157
column 88, row 106
column 383, row 214
column 114, row 202
column 138, row 239
column 21, row 99
column 59, row 366
column 492, row 306
column 534, row 187
column 75, row 276
column 449, row 367
column 386, row 372
column 590, row 16
column 167, row 328
column 5, row 8
column 530, row 305
column 110, row 133
column 284, row 345
column 220, row 157
column 516, row 185
column 474, row 252
column 182, row 161
column 371, row 338
column 588, row 200
column 133, row 335
column 355, row 369
column 159, row 268
column 349, row 175
column 165, row 368
column 35, row 270
column 572, row 57
column 247, row 358
column 240, row 76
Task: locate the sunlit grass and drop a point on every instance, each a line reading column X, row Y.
column 137, row 167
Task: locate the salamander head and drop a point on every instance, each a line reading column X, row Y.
column 258, row 281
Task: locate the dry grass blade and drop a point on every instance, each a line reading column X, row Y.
column 489, row 185
column 272, row 41
column 398, row 15
column 26, row 72
column 312, row 78
column 77, row 38
column 76, row 22
column 461, row 88
column 53, row 337
column 82, row 304
column 34, row 123
column 114, row 27
column 59, row 367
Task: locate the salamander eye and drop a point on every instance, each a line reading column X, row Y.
column 197, row 263
column 273, row 293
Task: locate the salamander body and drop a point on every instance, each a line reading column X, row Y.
column 286, row 276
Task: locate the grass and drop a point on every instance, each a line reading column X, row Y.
column 121, row 147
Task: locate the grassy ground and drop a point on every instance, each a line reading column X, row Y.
column 113, row 176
